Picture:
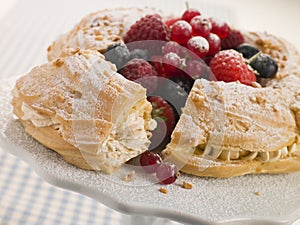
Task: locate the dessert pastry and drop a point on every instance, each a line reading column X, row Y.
column 98, row 30
column 80, row 107
column 229, row 129
column 101, row 119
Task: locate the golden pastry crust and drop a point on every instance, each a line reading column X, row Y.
column 82, row 108
column 98, row 30
column 249, row 130
column 285, row 53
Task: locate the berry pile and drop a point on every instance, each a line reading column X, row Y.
column 166, row 57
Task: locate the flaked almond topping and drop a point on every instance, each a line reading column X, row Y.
column 115, row 38
column 187, row 185
column 256, row 85
column 258, row 193
column 129, row 177
column 59, row 62
column 49, row 48
column 164, row 191
column 76, row 50
column 99, row 38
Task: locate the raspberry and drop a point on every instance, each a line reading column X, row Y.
column 219, row 27
column 201, row 26
column 199, row 46
column 140, row 71
column 150, row 27
column 234, row 39
column 190, row 14
column 229, row 66
column 181, row 32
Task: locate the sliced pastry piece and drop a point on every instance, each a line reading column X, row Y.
column 284, row 52
column 80, row 107
column 230, row 129
column 98, row 30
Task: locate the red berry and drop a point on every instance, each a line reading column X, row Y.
column 167, row 173
column 234, row 39
column 172, row 63
column 140, row 71
column 181, row 32
column 163, row 110
column 199, row 46
column 190, row 14
column 201, row 26
column 214, row 43
column 150, row 27
column 229, row 65
column 219, row 27
column 195, row 68
column 170, row 22
column 173, row 46
column 150, row 161
column 157, row 63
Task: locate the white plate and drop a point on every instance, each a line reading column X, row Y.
column 211, row 201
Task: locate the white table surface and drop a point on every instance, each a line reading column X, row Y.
column 276, row 16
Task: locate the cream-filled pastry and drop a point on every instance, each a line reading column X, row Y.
column 230, row 129
column 79, row 106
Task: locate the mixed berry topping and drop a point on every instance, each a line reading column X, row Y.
column 264, row 65
column 247, row 50
column 229, row 66
column 140, row 71
column 117, row 54
column 150, row 27
column 233, row 40
column 181, row 32
column 167, row 56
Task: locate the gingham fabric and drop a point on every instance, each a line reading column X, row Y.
column 27, row 199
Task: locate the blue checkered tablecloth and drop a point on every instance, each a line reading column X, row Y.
column 27, row 199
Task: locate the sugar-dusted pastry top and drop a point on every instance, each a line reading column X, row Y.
column 285, row 53
column 98, row 30
column 91, row 112
column 231, row 125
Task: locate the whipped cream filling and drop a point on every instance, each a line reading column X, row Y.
column 227, row 155
column 129, row 137
column 37, row 119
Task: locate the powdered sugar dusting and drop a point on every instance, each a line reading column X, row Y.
column 210, row 200
column 98, row 30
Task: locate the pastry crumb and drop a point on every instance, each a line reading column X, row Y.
column 164, row 191
column 187, row 185
column 59, row 62
column 129, row 177
column 258, row 193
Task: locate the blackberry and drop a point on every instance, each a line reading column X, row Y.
column 139, row 54
column 247, row 50
column 118, row 54
column 265, row 65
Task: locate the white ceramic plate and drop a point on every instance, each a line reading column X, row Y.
column 211, row 201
